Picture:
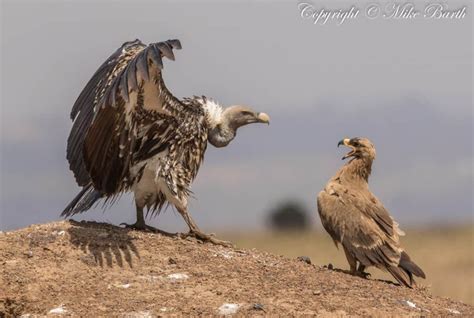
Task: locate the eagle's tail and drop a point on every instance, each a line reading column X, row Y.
column 405, row 270
column 83, row 201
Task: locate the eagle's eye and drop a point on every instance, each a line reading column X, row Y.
column 247, row 113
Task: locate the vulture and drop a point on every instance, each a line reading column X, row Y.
column 357, row 220
column 130, row 134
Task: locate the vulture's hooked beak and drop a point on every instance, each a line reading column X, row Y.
column 347, row 142
column 263, row 118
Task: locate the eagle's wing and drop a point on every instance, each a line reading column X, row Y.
column 124, row 111
column 361, row 223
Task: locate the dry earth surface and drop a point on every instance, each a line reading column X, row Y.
column 90, row 269
column 445, row 253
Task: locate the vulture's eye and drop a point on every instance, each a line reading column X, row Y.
column 247, row 113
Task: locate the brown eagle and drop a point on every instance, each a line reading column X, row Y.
column 131, row 134
column 357, row 220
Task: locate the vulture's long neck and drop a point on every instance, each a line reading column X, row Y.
column 220, row 133
column 358, row 169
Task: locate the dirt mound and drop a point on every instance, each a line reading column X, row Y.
column 90, row 269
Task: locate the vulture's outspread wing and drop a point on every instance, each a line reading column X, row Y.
column 123, row 115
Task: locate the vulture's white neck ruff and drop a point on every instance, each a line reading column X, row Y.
column 213, row 111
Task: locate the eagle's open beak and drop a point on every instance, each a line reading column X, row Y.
column 263, row 118
column 346, row 142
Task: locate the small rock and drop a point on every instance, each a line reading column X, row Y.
column 58, row 310
column 138, row 314
column 317, row 292
column 305, row 259
column 453, row 311
column 330, row 266
column 228, row 309
column 29, row 254
column 177, row 277
column 218, row 293
column 172, row 261
column 410, row 304
column 258, row 306
column 124, row 286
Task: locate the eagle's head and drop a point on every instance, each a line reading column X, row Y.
column 360, row 148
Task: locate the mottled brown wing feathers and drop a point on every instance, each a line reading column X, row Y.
column 103, row 139
column 352, row 223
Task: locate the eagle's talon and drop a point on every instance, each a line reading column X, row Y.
column 364, row 275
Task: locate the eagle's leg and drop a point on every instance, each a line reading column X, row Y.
column 140, row 224
column 196, row 232
column 360, row 271
column 351, row 260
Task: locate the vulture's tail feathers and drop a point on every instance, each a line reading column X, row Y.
column 83, row 201
column 405, row 271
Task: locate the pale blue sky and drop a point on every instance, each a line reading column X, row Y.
column 407, row 85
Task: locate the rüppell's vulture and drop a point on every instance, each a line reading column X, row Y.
column 131, row 134
column 357, row 220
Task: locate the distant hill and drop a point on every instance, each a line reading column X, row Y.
column 90, row 269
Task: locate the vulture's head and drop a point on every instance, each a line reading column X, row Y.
column 223, row 123
column 361, row 148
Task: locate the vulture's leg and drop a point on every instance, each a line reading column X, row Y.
column 196, row 232
column 140, row 224
column 351, row 260
column 360, row 271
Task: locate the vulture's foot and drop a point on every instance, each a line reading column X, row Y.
column 140, row 226
column 208, row 238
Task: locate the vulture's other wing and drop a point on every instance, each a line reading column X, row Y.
column 119, row 112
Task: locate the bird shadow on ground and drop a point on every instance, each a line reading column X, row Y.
column 102, row 243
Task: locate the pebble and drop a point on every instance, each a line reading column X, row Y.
column 410, row 304
column 177, row 276
column 317, row 292
column 258, row 306
column 58, row 310
column 453, row 311
column 139, row 314
column 305, row 259
column 228, row 309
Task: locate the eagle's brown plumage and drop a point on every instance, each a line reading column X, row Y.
column 131, row 134
column 357, row 220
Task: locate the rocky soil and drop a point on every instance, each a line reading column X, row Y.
column 91, row 270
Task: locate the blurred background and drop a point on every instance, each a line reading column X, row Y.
column 405, row 84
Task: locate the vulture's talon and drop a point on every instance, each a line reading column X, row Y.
column 209, row 238
column 146, row 228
